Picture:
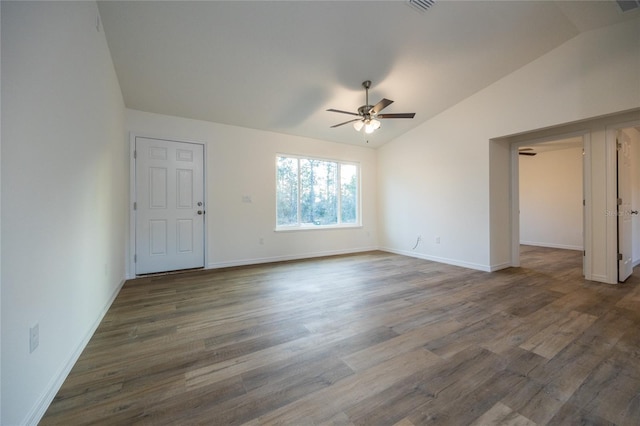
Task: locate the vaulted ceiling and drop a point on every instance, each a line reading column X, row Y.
column 278, row 65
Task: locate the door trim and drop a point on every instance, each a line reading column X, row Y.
column 612, row 195
column 131, row 247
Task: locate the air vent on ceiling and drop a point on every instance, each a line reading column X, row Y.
column 628, row 5
column 421, row 5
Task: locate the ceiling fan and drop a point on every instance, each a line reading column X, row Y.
column 526, row 151
column 369, row 115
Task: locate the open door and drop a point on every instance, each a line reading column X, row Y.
column 625, row 242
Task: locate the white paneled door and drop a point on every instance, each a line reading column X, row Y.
column 625, row 265
column 169, row 207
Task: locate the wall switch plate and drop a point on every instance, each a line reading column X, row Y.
column 34, row 337
column 437, row 240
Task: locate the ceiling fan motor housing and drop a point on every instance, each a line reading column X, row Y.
column 364, row 110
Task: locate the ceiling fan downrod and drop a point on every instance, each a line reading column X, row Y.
column 366, row 84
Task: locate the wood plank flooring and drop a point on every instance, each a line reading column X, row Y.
column 367, row 339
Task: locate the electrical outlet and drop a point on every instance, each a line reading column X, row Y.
column 34, row 337
column 437, row 240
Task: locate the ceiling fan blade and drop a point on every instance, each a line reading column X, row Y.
column 380, row 106
column 528, row 153
column 343, row 112
column 399, row 115
column 346, row 122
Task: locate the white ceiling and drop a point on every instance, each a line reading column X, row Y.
column 279, row 65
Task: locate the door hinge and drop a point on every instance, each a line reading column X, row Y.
column 135, row 258
column 135, row 205
column 584, row 252
column 135, row 154
column 619, row 256
column 619, row 201
column 584, row 202
column 618, row 145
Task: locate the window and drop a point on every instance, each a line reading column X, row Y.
column 312, row 193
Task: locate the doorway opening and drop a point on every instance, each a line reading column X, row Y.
column 551, row 193
column 600, row 210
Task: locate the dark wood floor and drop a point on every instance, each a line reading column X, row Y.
column 367, row 339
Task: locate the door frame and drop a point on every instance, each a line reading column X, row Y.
column 515, row 193
column 612, row 189
column 131, row 247
column 600, row 236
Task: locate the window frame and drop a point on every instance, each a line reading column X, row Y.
column 299, row 226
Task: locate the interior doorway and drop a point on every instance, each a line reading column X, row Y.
column 600, row 234
column 551, row 193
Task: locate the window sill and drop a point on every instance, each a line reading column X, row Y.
column 316, row 228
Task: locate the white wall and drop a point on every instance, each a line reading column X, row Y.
column 448, row 178
column 551, row 199
column 241, row 162
column 64, row 192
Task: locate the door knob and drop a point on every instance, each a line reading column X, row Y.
column 200, row 212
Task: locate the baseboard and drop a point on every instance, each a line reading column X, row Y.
column 601, row 279
column 499, row 266
column 552, row 245
column 284, row 258
column 40, row 408
column 636, row 262
column 445, row 260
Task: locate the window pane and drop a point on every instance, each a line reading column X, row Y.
column 308, row 192
column 349, row 192
column 287, row 191
column 318, row 198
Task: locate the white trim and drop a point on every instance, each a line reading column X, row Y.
column 130, row 263
column 284, row 258
column 600, row 278
column 587, row 217
column 316, row 228
column 612, row 194
column 552, row 245
column 38, row 410
column 499, row 266
column 611, row 178
column 515, row 205
column 454, row 262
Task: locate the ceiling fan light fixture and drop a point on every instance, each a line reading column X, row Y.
column 371, row 125
column 358, row 125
